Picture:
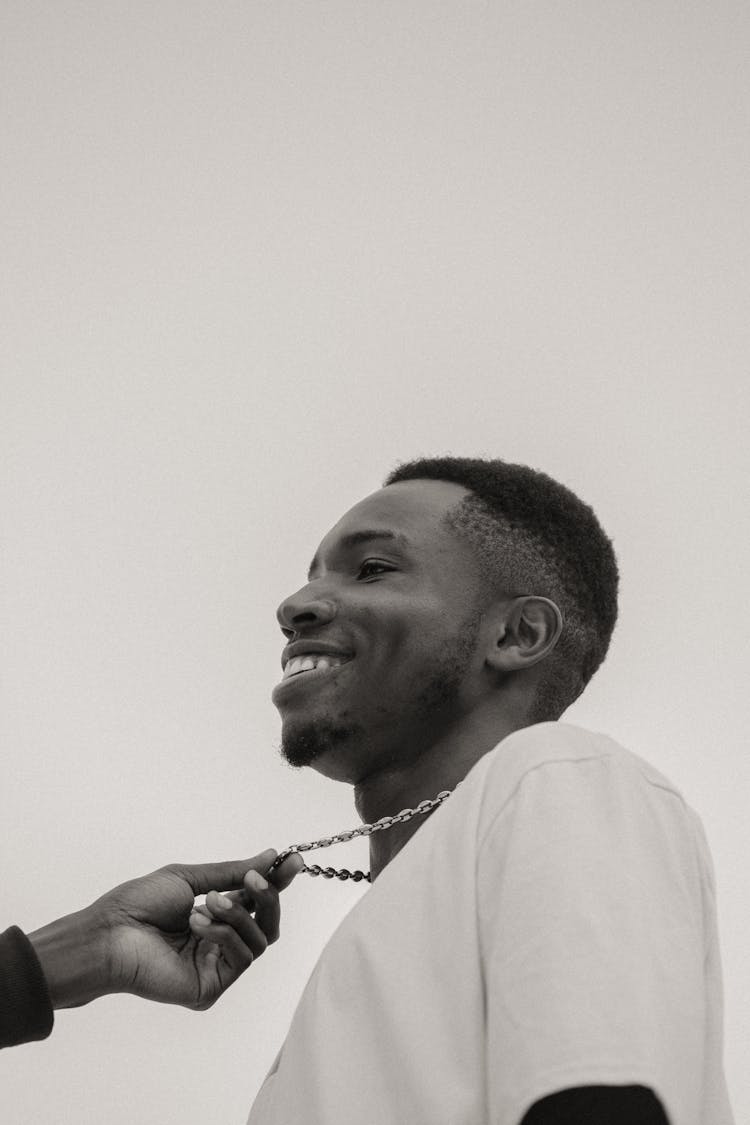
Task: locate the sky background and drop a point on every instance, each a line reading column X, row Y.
column 254, row 254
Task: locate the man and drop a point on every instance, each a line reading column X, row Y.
column 540, row 947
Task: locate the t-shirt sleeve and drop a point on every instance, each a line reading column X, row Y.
column 25, row 1009
column 592, row 939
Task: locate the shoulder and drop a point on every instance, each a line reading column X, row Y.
column 570, row 819
column 561, row 766
column 556, row 744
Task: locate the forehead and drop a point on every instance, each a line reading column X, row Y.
column 414, row 509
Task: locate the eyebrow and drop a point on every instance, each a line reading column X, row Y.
column 367, row 535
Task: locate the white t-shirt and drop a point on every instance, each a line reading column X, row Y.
column 551, row 925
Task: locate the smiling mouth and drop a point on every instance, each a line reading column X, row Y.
column 312, row 664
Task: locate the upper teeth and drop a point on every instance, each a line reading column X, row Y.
column 309, row 662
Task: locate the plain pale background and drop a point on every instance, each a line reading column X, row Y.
column 253, row 254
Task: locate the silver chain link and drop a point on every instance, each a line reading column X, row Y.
column 363, row 830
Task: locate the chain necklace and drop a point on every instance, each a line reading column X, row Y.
column 364, row 830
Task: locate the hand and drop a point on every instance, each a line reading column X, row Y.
column 146, row 936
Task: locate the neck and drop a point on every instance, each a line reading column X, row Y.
column 404, row 784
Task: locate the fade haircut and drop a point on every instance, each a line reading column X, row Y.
column 534, row 536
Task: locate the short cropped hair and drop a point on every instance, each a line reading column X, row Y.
column 533, row 535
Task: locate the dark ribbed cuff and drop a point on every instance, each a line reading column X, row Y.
column 26, row 1013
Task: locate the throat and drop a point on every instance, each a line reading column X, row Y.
column 390, row 802
column 385, row 846
column 440, row 766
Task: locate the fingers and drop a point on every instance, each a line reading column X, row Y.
column 258, row 897
column 226, row 919
column 233, row 910
column 287, row 871
column 231, row 916
column 238, row 937
column 219, row 945
column 267, row 905
column 229, row 876
column 203, row 877
column 202, row 925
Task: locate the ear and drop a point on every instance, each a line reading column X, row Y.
column 526, row 631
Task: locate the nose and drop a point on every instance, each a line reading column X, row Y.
column 304, row 610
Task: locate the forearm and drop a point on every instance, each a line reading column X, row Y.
column 71, row 953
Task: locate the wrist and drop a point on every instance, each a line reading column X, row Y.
column 72, row 953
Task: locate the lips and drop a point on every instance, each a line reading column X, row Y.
column 312, row 676
column 313, row 662
column 310, row 662
column 313, row 648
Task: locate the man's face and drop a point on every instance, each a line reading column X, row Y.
column 390, row 609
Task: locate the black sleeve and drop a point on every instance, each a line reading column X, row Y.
column 25, row 1008
column 598, row 1105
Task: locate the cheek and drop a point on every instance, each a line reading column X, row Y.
column 412, row 654
column 402, row 623
column 405, row 640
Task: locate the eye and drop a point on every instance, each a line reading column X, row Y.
column 370, row 568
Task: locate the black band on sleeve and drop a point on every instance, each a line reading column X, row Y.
column 598, row 1105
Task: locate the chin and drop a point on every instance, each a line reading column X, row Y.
column 324, row 745
column 336, row 766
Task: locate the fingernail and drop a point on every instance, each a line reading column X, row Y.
column 222, row 901
column 258, row 881
column 200, row 920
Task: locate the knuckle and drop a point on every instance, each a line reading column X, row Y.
column 173, row 869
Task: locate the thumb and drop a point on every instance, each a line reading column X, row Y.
column 228, row 876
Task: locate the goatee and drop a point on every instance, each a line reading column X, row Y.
column 303, row 743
